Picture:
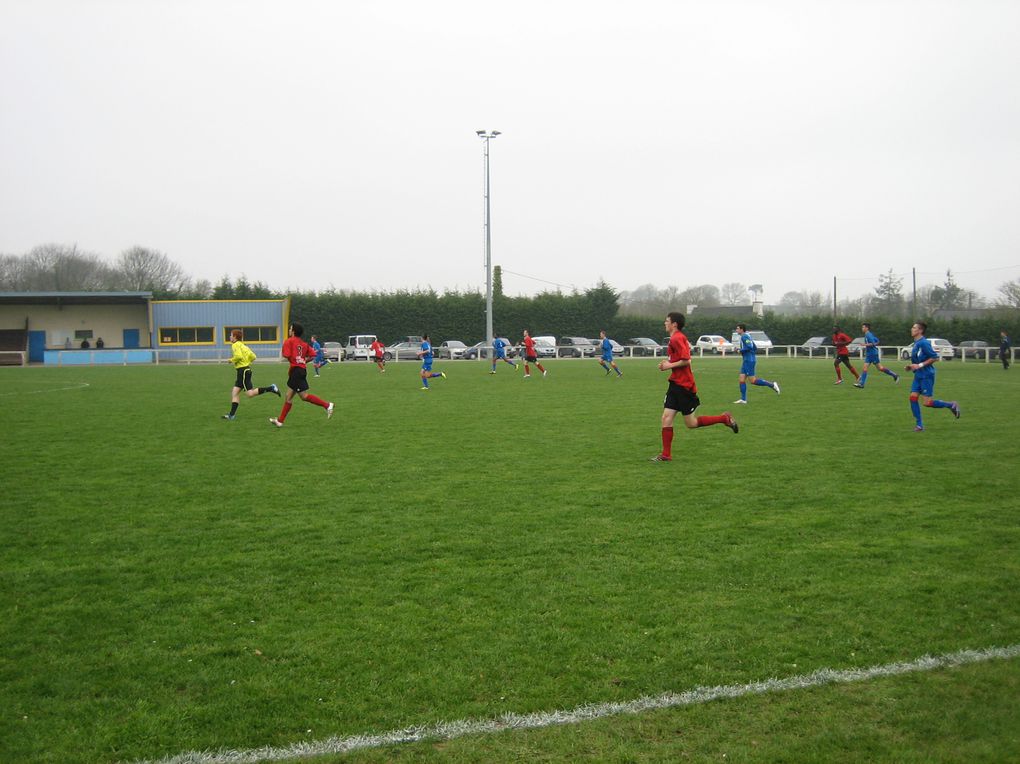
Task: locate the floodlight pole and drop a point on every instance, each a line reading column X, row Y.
column 486, row 136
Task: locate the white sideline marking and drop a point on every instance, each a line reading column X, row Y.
column 75, row 386
column 450, row 730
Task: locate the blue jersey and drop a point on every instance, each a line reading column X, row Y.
column 607, row 350
column 749, row 352
column 426, row 356
column 499, row 347
column 922, row 352
column 871, row 354
column 319, row 355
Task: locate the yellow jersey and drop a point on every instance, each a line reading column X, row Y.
column 241, row 355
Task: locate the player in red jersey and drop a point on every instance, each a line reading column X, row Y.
column 378, row 349
column 840, row 339
column 298, row 353
column 682, row 395
column 530, row 355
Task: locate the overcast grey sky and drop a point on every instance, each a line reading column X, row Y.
column 316, row 144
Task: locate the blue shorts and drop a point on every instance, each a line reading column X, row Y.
column 872, row 356
column 747, row 367
column 924, row 384
column 426, row 364
column 608, row 357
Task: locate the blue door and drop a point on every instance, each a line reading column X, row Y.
column 130, row 338
column 36, row 346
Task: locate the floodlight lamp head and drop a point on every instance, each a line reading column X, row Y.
column 495, row 133
column 480, row 133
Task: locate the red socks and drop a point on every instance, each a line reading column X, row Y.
column 284, row 412
column 316, row 400
column 705, row 421
column 667, row 441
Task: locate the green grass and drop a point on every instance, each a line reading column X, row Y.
column 175, row 582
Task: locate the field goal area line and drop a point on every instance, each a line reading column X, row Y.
column 72, row 386
column 450, row 730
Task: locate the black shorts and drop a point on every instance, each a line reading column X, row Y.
column 842, row 359
column 243, row 379
column 297, row 380
column 531, row 359
column 679, row 398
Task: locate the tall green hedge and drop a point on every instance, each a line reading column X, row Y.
column 334, row 315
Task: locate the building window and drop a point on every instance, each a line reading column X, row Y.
column 185, row 335
column 252, row 333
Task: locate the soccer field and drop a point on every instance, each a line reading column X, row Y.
column 173, row 582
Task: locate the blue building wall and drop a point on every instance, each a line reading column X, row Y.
column 218, row 315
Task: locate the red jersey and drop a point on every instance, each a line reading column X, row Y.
column 297, row 351
column 529, row 347
column 680, row 350
column 841, row 340
column 377, row 349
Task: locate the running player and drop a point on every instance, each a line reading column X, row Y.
column 425, row 354
column 606, row 361
column 242, row 356
column 749, row 354
column 499, row 346
column 378, row 349
column 872, row 355
column 840, row 341
column 530, row 355
column 320, row 355
column 922, row 362
column 682, row 394
column 297, row 352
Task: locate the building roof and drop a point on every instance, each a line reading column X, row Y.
column 75, row 298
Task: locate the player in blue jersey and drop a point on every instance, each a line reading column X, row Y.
column 872, row 355
column 499, row 346
column 749, row 353
column 606, row 361
column 425, row 354
column 1004, row 346
column 320, row 355
column 922, row 362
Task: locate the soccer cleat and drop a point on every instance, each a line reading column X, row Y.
column 838, row 382
column 492, row 372
column 527, row 376
column 228, row 416
column 731, row 423
column 544, row 373
column 740, row 400
column 442, row 374
column 858, row 384
column 424, row 387
column 274, row 390
column 329, row 411
column 955, row 408
column 274, row 420
column 775, row 386
column 896, row 378
column 661, row 458
column 919, row 428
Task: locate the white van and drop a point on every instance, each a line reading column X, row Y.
column 359, row 347
column 545, row 347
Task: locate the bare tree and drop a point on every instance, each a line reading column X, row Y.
column 734, row 293
column 1010, row 294
column 142, row 269
column 59, row 268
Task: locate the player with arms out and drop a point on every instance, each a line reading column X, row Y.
column 922, row 362
column 378, row 349
column 242, row 356
column 297, row 352
column 872, row 356
column 749, row 354
column 606, row 361
column 682, row 394
column 840, row 340
column 530, row 355
column 426, row 355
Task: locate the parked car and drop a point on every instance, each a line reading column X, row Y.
column 451, row 349
column 545, row 347
column 359, row 347
column 815, row 346
column 856, row 346
column 577, row 347
column 943, row 347
column 618, row 349
column 644, row 346
column 976, row 349
column 714, row 343
column 761, row 340
column 334, row 351
column 402, row 351
column 484, row 350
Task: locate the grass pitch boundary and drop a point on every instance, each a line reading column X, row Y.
column 460, row 728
